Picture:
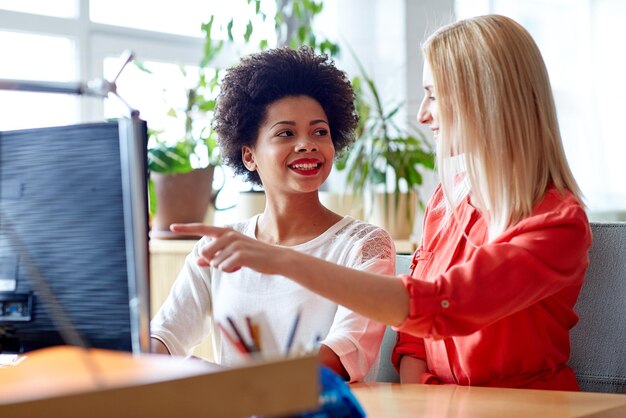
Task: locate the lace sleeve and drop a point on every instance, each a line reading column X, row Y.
column 354, row 338
column 376, row 244
column 369, row 243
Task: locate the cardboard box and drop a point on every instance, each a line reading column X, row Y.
column 71, row 382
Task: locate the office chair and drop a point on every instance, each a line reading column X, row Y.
column 598, row 341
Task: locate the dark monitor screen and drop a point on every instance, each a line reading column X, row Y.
column 74, row 237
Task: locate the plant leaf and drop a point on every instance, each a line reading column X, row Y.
column 248, row 33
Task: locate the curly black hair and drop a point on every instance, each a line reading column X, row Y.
column 263, row 78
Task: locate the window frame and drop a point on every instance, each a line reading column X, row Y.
column 96, row 41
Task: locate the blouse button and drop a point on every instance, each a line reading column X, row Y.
column 445, row 303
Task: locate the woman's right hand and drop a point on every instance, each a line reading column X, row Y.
column 229, row 250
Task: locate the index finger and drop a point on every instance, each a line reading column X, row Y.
column 198, row 229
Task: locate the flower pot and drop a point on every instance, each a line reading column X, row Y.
column 181, row 198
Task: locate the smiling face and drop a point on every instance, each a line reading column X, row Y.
column 429, row 110
column 294, row 151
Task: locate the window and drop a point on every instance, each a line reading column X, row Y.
column 51, row 58
column 163, row 89
column 182, row 17
column 81, row 40
column 581, row 42
column 58, row 8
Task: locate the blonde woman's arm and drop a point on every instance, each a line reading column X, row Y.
column 383, row 298
column 412, row 369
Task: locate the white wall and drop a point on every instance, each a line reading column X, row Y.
column 386, row 36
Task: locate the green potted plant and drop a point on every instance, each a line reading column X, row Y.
column 386, row 162
column 182, row 171
column 179, row 190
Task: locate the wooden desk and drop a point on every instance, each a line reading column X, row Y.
column 381, row 400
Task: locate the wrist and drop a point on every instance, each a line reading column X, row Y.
column 288, row 262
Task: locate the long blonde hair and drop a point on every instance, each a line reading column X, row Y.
column 496, row 110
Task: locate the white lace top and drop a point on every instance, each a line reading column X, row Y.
column 200, row 297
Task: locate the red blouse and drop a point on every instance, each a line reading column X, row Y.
column 497, row 314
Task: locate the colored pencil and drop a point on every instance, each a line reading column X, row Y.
column 253, row 329
column 237, row 344
column 292, row 332
column 250, row 348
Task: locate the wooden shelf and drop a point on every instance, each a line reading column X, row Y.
column 166, row 260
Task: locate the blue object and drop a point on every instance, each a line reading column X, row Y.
column 336, row 398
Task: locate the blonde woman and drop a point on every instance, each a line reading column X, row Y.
column 489, row 300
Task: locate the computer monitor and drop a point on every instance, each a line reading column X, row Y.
column 74, row 237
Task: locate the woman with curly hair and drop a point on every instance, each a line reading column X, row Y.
column 282, row 115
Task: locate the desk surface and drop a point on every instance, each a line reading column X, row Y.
column 393, row 400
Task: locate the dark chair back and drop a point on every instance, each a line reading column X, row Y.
column 598, row 341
